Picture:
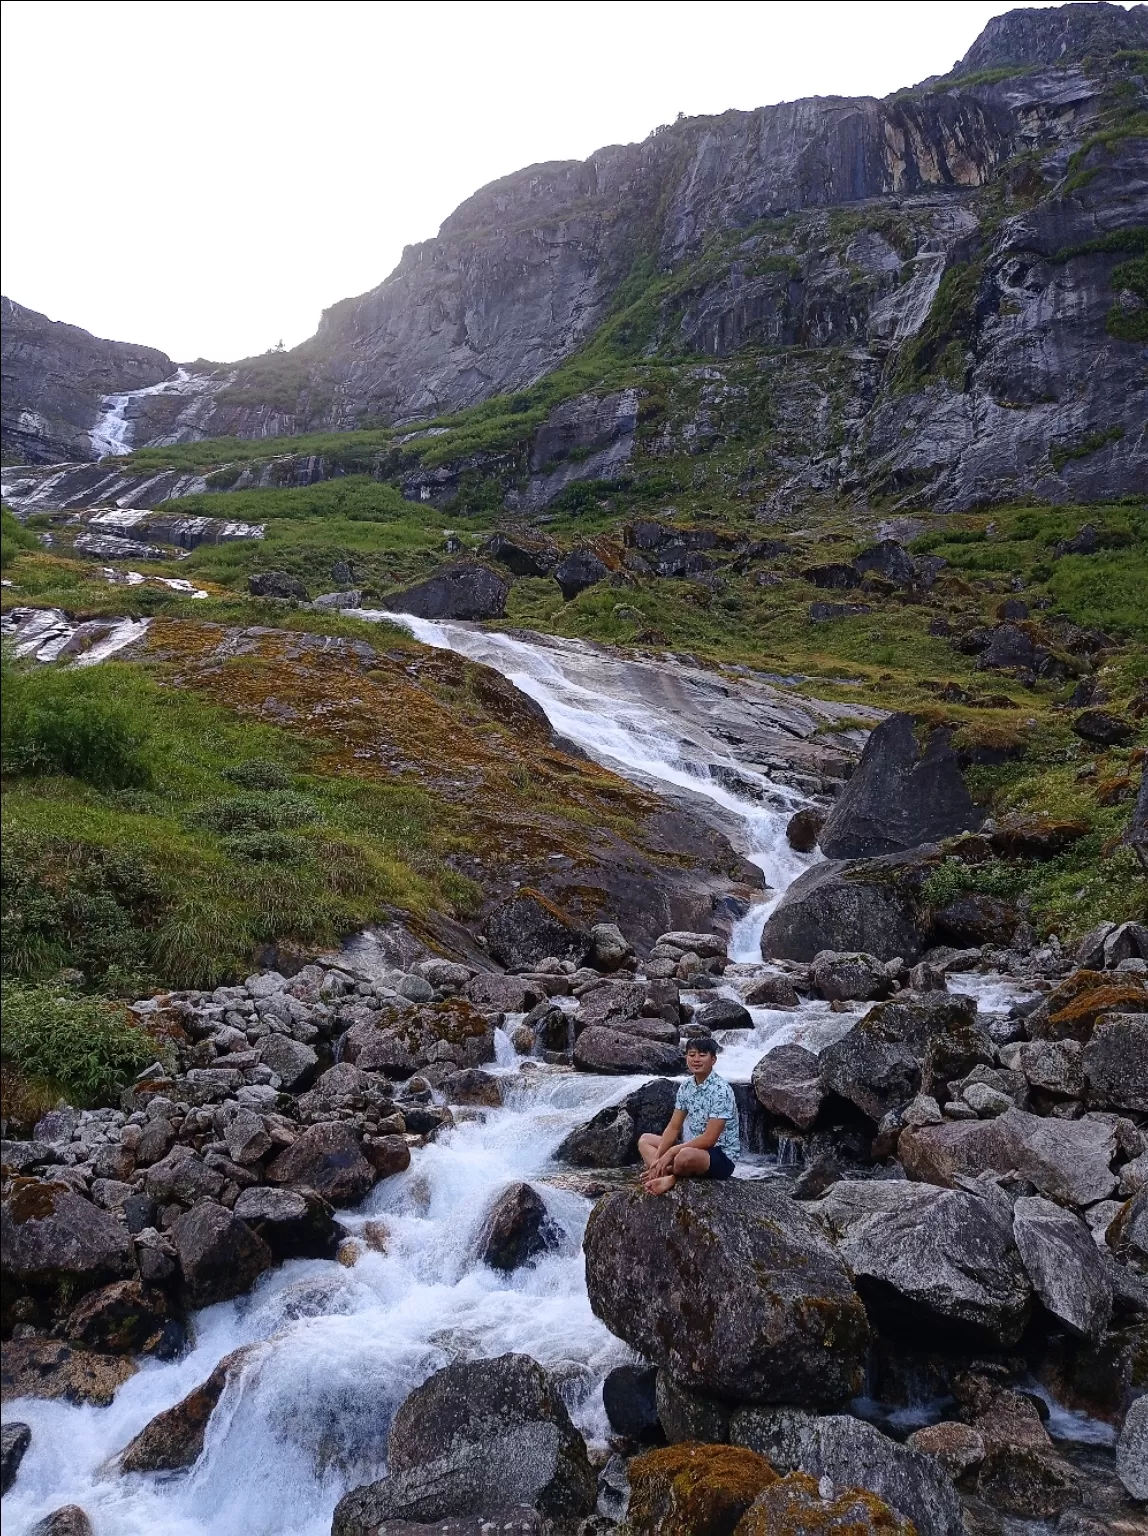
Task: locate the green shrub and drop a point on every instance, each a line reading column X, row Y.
column 952, row 879
column 90, row 1047
column 267, row 847
column 72, row 722
column 67, row 903
column 14, row 538
column 259, row 811
column 258, row 773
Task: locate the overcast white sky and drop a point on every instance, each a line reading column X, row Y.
column 205, row 177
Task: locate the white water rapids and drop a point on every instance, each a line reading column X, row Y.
column 337, row 1349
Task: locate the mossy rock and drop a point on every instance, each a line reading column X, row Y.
column 794, row 1506
column 693, row 1489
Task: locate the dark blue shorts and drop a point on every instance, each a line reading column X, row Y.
column 720, row 1165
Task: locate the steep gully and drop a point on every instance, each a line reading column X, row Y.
column 335, row 1349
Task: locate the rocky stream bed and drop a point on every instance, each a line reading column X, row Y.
column 365, row 1250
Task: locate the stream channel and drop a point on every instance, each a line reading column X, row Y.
column 337, row 1349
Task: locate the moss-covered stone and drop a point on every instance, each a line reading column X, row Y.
column 693, row 1489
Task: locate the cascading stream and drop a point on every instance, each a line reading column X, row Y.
column 112, row 434
column 335, row 1350
column 598, row 702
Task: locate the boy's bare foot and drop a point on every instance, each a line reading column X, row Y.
column 661, row 1186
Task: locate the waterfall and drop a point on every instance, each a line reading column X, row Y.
column 619, row 713
column 112, row 434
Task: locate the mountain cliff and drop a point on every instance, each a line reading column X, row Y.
column 54, row 378
column 928, row 296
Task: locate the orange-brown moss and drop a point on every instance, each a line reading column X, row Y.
column 1074, row 1006
column 695, row 1490
column 793, row 1506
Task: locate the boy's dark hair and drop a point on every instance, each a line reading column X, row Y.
column 704, row 1043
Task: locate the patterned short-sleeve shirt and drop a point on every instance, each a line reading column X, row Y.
column 711, row 1100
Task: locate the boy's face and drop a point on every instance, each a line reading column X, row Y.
column 698, row 1062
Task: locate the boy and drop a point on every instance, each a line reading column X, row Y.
column 707, row 1109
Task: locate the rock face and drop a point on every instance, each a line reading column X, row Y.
column 55, row 376
column 928, row 1257
column 899, row 797
column 477, row 1439
column 799, row 1330
column 1012, row 366
column 468, row 591
column 528, row 928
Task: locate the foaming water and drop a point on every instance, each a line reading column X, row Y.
column 111, row 437
column 336, row 1350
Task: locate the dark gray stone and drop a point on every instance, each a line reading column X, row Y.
column 899, row 798
column 799, row 1331
column 475, row 1439
column 464, row 591
column 928, row 1258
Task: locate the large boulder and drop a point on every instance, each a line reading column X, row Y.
column 1069, row 1161
column 1064, row 1265
column 787, row 1082
column 276, row 584
column 464, row 591
column 518, row 1229
column 1116, row 1062
column 868, row 905
column 798, row 1332
column 694, row 1490
column 625, row 1052
column 528, row 927
column 68, row 1520
column 54, row 1240
column 174, row 1438
column 580, row 569
column 125, row 1318
column 1132, row 1450
column 1071, row 1009
column 521, row 556
column 906, row 1044
column 327, row 1159
column 899, row 798
column 925, row 1257
column 610, row 1138
column 853, row 1454
column 15, row 1438
column 629, row 1396
column 53, row 1369
column 219, row 1255
column 476, row 1439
